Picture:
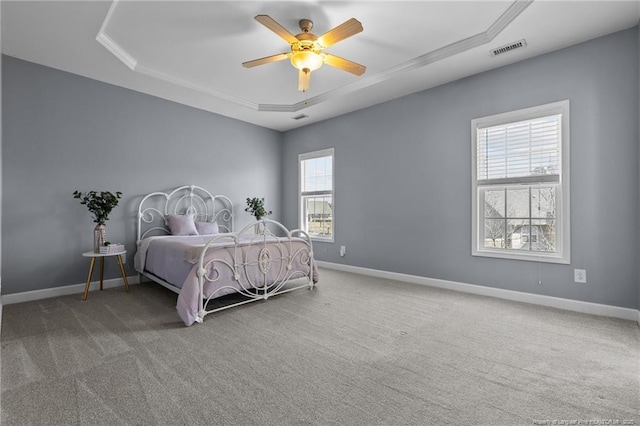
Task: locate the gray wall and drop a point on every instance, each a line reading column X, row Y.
column 402, row 171
column 0, row 185
column 403, row 174
column 62, row 132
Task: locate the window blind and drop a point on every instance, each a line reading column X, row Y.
column 317, row 176
column 521, row 152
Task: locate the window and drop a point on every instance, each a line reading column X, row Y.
column 316, row 193
column 521, row 184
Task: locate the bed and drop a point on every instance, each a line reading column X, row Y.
column 186, row 243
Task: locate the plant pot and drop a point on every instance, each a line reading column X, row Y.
column 99, row 237
column 259, row 228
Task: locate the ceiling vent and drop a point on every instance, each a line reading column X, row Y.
column 300, row 117
column 509, row 47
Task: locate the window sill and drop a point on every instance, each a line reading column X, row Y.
column 510, row 255
column 321, row 239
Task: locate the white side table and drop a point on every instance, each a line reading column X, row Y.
column 93, row 257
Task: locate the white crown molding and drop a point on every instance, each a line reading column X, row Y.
column 516, row 296
column 512, row 12
column 116, row 50
column 507, row 17
column 279, row 107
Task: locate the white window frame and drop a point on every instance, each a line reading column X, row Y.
column 301, row 212
column 563, row 242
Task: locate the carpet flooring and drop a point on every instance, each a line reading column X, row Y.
column 354, row 351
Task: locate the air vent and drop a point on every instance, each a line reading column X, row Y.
column 300, row 117
column 508, row 47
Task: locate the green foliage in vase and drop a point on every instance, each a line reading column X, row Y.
column 255, row 207
column 99, row 204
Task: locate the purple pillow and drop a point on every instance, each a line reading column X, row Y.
column 207, row 228
column 181, row 224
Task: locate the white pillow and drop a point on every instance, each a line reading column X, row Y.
column 207, row 228
column 181, row 224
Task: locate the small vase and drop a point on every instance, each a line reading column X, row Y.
column 259, row 228
column 99, row 237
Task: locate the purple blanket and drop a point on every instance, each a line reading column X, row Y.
column 254, row 262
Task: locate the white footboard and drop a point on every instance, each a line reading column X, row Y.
column 263, row 262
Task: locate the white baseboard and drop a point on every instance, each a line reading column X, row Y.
column 535, row 299
column 46, row 293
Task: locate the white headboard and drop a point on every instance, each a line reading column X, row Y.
column 188, row 199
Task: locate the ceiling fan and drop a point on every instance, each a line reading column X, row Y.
column 307, row 49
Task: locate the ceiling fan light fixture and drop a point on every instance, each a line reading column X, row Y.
column 304, row 79
column 306, row 60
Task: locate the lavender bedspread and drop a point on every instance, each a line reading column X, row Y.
column 176, row 260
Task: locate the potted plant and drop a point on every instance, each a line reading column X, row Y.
column 255, row 207
column 100, row 205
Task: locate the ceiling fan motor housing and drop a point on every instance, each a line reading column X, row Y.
column 305, row 25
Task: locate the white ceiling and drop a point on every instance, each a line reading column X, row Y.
column 191, row 51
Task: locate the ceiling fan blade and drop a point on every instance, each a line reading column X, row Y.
column 304, row 80
column 265, row 60
column 270, row 23
column 344, row 64
column 339, row 33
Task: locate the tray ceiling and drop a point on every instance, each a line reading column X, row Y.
column 191, row 52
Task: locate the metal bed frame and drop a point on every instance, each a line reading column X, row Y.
column 267, row 247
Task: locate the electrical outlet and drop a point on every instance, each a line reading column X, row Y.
column 343, row 250
column 580, row 275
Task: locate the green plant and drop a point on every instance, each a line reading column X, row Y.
column 255, row 207
column 99, row 204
